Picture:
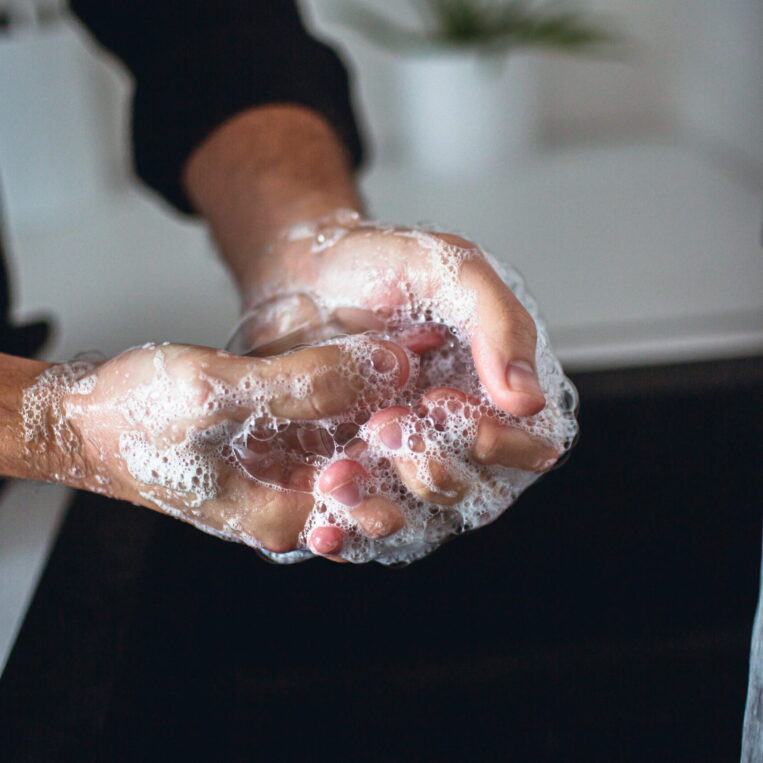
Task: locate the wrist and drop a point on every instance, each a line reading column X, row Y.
column 23, row 454
column 262, row 171
column 288, row 260
column 50, row 440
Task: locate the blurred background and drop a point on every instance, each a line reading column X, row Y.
column 607, row 615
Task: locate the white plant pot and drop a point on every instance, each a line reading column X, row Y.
column 462, row 113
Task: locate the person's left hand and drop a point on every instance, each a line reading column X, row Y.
column 359, row 275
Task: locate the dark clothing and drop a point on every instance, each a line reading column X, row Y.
column 196, row 63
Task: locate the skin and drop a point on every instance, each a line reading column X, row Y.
column 261, row 171
column 88, row 454
column 233, row 185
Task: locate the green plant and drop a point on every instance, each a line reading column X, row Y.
column 490, row 25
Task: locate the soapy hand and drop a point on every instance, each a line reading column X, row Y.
column 435, row 294
column 361, row 274
column 157, row 425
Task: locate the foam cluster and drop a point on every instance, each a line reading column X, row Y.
column 439, row 436
column 43, row 420
column 183, row 430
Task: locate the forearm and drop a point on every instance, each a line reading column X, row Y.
column 261, row 171
column 42, row 439
column 16, row 458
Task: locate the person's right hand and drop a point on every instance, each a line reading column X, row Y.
column 153, row 425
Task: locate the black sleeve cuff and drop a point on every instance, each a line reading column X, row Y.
column 195, row 70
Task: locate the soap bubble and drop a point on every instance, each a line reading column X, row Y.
column 437, row 437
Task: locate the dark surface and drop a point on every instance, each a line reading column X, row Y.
column 604, row 617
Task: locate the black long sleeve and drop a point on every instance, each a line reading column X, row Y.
column 198, row 62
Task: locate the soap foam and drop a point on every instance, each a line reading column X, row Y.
column 442, row 433
column 185, row 462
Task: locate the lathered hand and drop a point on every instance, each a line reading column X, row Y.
column 155, row 425
column 478, row 405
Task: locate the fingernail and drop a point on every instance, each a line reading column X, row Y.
column 392, row 436
column 384, row 361
column 347, row 494
column 521, row 377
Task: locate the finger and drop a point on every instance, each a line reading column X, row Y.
column 503, row 342
column 423, row 337
column 276, row 518
column 431, row 480
column 326, row 540
column 340, row 481
column 379, row 517
column 277, row 325
column 332, row 373
column 385, row 424
column 495, row 443
column 356, row 320
column 428, row 479
column 271, row 470
column 418, row 339
column 509, row 446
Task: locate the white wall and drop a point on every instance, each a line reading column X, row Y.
column 63, row 131
column 721, row 93
column 692, row 68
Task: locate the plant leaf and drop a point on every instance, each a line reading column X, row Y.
column 560, row 30
column 491, row 26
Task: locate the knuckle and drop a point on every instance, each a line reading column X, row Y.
column 379, row 527
column 487, row 444
column 331, row 394
column 201, row 392
column 448, row 489
column 380, row 518
column 273, row 525
column 521, row 326
column 439, row 489
column 441, row 498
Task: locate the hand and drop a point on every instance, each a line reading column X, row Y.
column 362, row 274
column 345, row 275
column 270, row 167
column 155, row 424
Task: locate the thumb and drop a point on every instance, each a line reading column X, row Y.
column 503, row 342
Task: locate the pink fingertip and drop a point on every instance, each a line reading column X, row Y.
column 347, row 494
column 326, row 540
column 339, row 473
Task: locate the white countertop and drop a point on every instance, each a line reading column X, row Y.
column 637, row 255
